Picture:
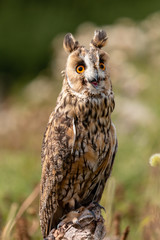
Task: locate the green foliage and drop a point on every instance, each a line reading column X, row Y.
column 20, row 172
column 28, row 27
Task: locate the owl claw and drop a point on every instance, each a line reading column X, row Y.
column 60, row 224
column 100, row 206
column 77, row 223
column 92, row 213
column 93, row 204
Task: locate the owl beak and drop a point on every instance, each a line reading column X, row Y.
column 94, row 81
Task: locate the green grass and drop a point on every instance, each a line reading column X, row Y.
column 20, row 172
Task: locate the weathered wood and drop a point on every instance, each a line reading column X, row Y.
column 85, row 224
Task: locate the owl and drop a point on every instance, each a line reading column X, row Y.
column 80, row 141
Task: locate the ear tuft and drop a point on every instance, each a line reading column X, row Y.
column 100, row 38
column 69, row 43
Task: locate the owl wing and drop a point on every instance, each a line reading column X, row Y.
column 57, row 148
column 109, row 159
column 114, row 147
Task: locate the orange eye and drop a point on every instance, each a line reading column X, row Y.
column 80, row 69
column 102, row 66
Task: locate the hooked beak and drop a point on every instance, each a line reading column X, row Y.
column 95, row 81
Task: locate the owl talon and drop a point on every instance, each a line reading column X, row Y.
column 93, row 214
column 77, row 223
column 60, row 224
column 100, row 206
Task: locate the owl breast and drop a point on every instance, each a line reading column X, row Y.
column 91, row 156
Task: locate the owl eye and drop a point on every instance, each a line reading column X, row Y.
column 102, row 66
column 80, row 69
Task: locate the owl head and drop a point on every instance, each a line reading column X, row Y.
column 86, row 69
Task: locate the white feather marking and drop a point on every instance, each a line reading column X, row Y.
column 90, row 71
column 63, row 73
column 101, row 74
column 74, row 131
column 69, row 82
column 74, row 92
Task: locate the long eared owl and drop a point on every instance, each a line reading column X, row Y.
column 80, row 141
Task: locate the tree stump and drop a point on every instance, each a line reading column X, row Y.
column 84, row 224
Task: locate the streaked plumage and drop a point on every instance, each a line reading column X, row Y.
column 80, row 142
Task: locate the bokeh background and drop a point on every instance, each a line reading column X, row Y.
column 31, row 61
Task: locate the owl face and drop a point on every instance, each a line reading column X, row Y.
column 87, row 70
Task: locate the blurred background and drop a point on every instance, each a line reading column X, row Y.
column 31, row 61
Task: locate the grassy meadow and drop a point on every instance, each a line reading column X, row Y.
column 133, row 190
